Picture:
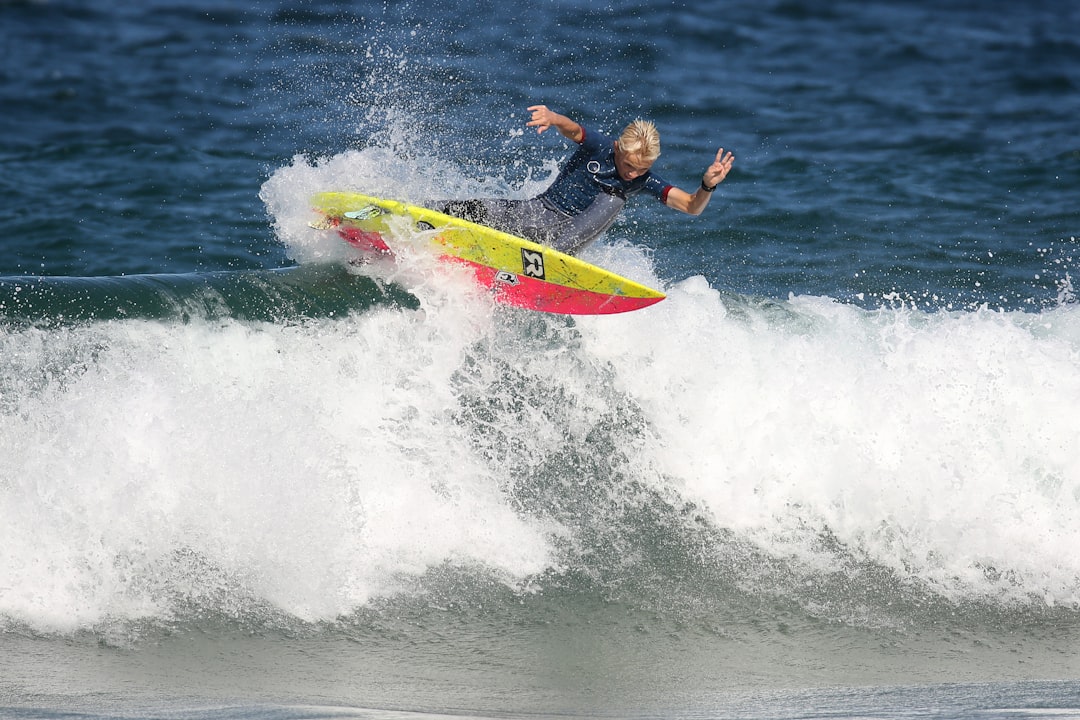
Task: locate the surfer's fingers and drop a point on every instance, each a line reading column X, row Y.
column 723, row 162
column 540, row 119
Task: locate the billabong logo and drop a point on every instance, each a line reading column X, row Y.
column 532, row 263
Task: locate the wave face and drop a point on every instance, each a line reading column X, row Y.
column 284, row 295
column 409, row 507
column 861, row 465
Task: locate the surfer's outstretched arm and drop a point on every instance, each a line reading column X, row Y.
column 543, row 118
column 694, row 203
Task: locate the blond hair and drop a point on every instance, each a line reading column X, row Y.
column 641, row 138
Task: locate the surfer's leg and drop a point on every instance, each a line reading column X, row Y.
column 538, row 222
column 510, row 216
column 472, row 210
column 530, row 219
column 582, row 229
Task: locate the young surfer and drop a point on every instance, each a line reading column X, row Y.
column 591, row 187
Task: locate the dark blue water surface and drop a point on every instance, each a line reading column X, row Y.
column 833, row 473
column 885, row 147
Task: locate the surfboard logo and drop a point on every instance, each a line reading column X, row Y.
column 506, row 277
column 532, row 263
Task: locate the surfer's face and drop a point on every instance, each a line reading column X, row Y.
column 630, row 166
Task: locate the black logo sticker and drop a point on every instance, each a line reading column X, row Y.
column 506, row 278
column 532, row 263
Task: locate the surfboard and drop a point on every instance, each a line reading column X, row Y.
column 518, row 272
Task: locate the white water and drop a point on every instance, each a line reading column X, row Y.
column 940, row 445
column 148, row 467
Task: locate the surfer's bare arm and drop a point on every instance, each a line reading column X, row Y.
column 694, row 203
column 543, row 118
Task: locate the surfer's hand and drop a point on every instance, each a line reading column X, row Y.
column 719, row 169
column 542, row 118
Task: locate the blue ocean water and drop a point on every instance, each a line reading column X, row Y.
column 833, row 474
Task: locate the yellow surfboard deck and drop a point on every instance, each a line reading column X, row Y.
column 519, row 272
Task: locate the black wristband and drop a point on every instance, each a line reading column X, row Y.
column 705, row 187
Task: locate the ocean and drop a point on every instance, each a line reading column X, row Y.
column 834, row 474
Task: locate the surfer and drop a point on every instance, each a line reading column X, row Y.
column 592, row 186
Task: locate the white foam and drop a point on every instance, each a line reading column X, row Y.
column 314, row 467
column 941, row 445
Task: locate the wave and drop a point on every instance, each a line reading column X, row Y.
column 318, row 445
column 703, row 458
column 282, row 295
